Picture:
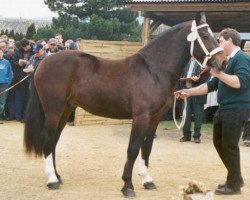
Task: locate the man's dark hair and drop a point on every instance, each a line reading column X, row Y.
column 24, row 42
column 231, row 33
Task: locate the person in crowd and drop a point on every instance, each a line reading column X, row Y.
column 3, row 46
column 233, row 85
column 53, row 48
column 78, row 42
column 73, row 46
column 18, row 103
column 67, row 43
column 6, row 76
column 59, row 39
column 11, row 42
column 10, row 57
column 195, row 104
column 35, row 60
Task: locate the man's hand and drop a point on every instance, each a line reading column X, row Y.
column 215, row 73
column 195, row 78
column 181, row 94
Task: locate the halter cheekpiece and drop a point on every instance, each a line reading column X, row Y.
column 194, row 35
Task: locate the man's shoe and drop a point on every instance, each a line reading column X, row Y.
column 197, row 140
column 246, row 143
column 224, row 185
column 10, row 119
column 29, row 69
column 227, row 191
column 185, row 139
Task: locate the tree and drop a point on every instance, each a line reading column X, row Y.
column 83, row 9
column 31, row 31
column 94, row 19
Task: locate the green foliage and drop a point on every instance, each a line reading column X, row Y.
column 31, row 31
column 88, row 19
column 12, row 34
column 92, row 19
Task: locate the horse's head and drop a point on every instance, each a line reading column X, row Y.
column 204, row 47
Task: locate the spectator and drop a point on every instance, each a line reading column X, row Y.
column 59, row 39
column 67, row 43
column 6, row 76
column 18, row 103
column 35, row 60
column 234, row 107
column 10, row 57
column 78, row 42
column 73, row 46
column 3, row 46
column 195, row 104
column 53, row 48
column 11, row 42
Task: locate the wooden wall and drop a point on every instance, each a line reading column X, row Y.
column 110, row 50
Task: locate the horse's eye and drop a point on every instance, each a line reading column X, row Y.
column 205, row 37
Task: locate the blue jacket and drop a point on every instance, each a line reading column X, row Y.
column 6, row 74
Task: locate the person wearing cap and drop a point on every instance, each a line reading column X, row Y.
column 53, row 48
column 35, row 60
column 73, row 46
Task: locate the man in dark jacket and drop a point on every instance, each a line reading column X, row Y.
column 21, row 91
column 233, row 87
column 195, row 104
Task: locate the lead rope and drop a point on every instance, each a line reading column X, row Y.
column 6, row 90
column 184, row 114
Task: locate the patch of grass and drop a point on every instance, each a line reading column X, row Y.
column 206, row 128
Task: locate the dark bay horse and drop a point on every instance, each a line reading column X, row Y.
column 139, row 87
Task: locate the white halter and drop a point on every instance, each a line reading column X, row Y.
column 194, row 35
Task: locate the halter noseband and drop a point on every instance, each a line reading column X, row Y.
column 194, row 35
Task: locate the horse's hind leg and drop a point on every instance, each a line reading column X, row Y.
column 50, row 155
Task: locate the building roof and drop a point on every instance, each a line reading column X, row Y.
column 220, row 13
column 182, row 1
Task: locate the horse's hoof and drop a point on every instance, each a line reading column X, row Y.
column 60, row 180
column 128, row 193
column 53, row 186
column 149, row 186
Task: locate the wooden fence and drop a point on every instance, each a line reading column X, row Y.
column 110, row 50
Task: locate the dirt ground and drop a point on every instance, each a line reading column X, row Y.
column 90, row 160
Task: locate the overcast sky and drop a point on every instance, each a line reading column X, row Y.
column 26, row 9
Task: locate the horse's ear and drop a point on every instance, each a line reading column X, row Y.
column 200, row 18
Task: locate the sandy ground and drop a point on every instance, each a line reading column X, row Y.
column 90, row 160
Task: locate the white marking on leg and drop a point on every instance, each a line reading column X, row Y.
column 143, row 172
column 50, row 170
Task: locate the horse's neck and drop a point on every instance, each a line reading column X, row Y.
column 169, row 55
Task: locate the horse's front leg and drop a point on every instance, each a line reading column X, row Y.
column 136, row 138
column 144, row 160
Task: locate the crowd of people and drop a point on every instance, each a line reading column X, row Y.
column 17, row 60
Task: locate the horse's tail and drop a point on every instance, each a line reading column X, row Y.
column 34, row 123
